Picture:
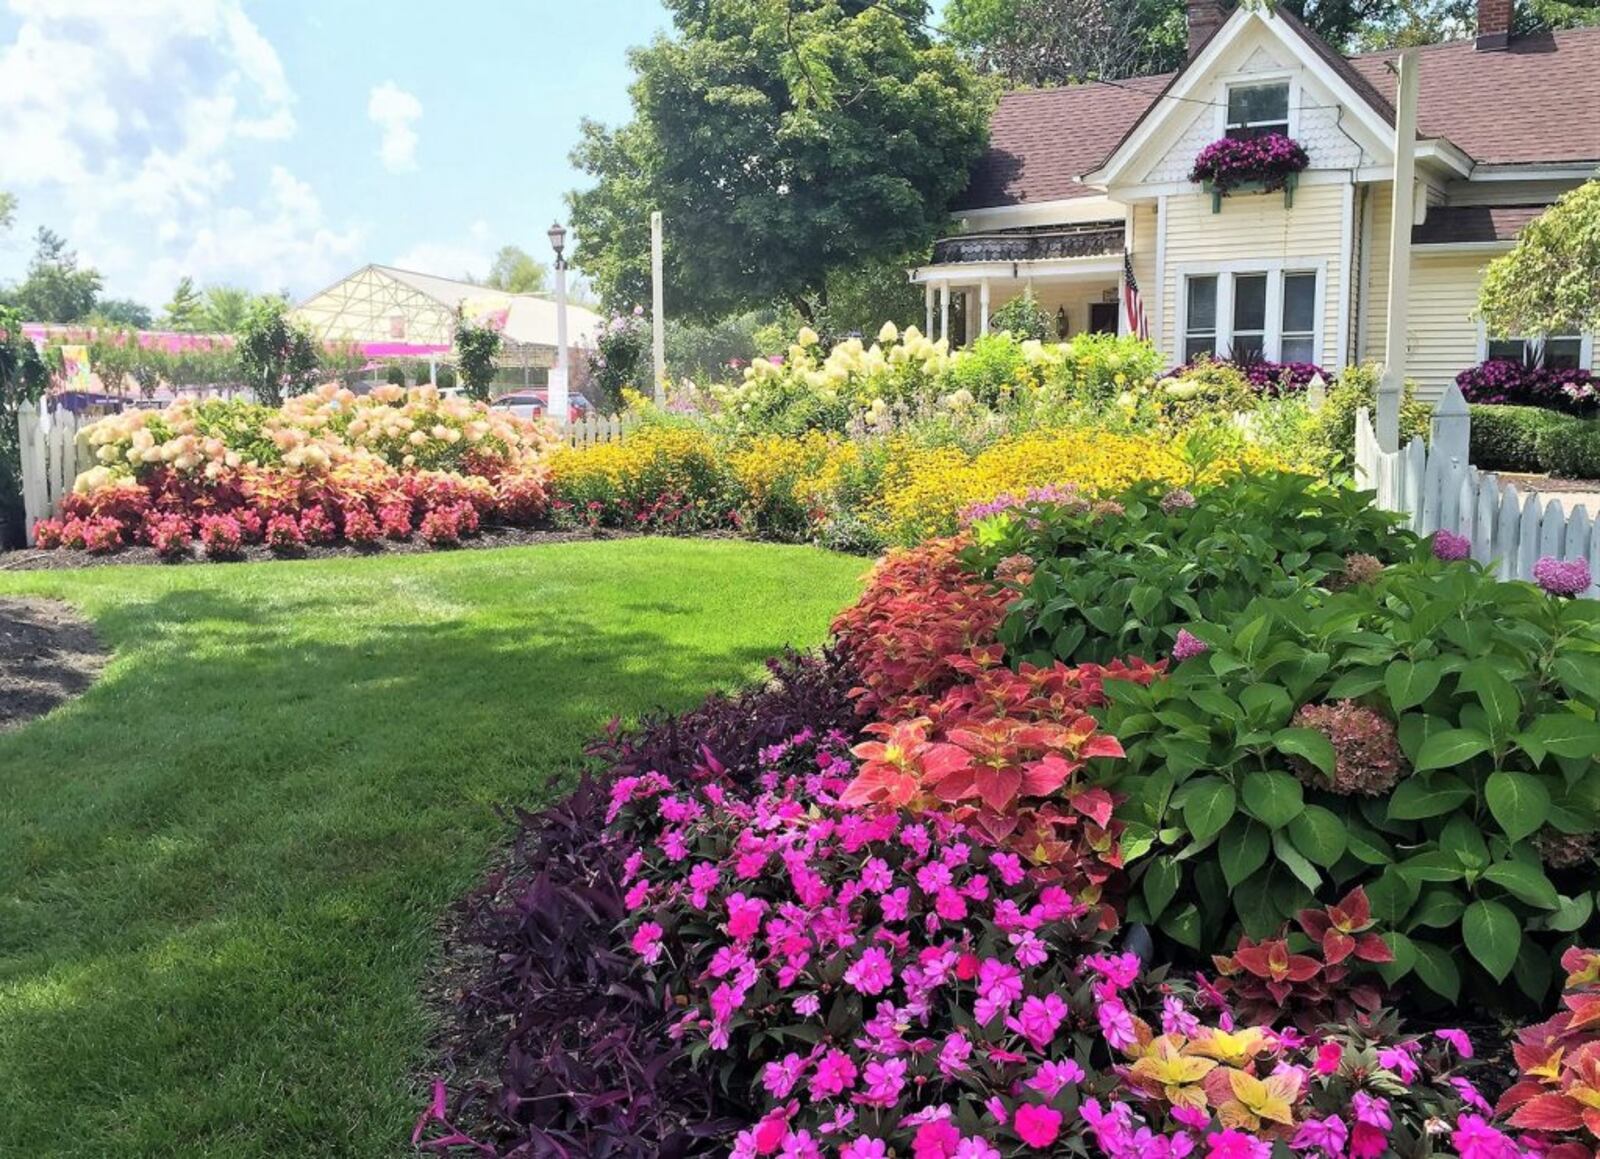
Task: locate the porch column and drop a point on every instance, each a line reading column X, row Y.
column 983, row 307
column 1392, row 385
column 927, row 294
column 944, row 311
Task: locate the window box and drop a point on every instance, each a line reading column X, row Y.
column 1264, row 163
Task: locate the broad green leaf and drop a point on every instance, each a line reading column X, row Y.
column 1439, row 909
column 1209, row 806
column 1419, row 797
column 1524, row 882
column 1452, row 747
column 1532, row 971
column 1405, row 957
column 1579, row 675
column 1392, row 897
column 1572, row 913
column 1182, row 925
column 1493, row 936
column 1273, row 798
column 1308, row 744
column 1497, row 695
column 1294, row 862
column 1366, row 846
column 1564, row 733
column 1356, row 682
column 1437, row 970
column 1519, row 801
column 1319, row 834
column 1243, row 850
column 1460, row 836
column 1410, row 683
column 1434, row 866
column 1160, row 883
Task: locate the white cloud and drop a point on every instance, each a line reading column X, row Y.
column 133, row 128
column 468, row 257
column 395, row 112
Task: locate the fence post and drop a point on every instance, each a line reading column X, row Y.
column 35, row 496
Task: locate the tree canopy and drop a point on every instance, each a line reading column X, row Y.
column 277, row 358
column 782, row 140
column 183, row 312
column 516, row 271
column 1550, row 281
column 54, row 288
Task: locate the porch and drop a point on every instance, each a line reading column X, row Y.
column 1074, row 273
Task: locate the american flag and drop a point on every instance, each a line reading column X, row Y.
column 1132, row 304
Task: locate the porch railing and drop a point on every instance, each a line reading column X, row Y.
column 1027, row 247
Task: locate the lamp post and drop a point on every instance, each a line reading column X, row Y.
column 557, row 408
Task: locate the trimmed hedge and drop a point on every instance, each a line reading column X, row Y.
column 1508, row 438
column 1571, row 450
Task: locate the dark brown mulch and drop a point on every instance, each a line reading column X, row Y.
column 33, row 559
column 48, row 655
column 1527, row 482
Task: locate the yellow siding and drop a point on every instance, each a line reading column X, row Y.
column 1442, row 338
column 1076, row 297
column 1143, row 253
column 1375, row 235
column 1257, row 227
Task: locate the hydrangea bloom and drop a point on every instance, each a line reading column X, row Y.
column 1447, row 545
column 1563, row 577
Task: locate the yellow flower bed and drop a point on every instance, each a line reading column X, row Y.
column 926, row 489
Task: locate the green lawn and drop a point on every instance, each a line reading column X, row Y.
column 222, row 870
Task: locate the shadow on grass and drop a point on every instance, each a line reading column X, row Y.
column 221, row 867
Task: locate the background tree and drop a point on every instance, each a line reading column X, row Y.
column 223, row 309
column 122, row 312
column 184, row 311
column 1550, row 281
column 476, row 348
column 55, row 289
column 278, row 359
column 517, row 272
column 23, row 379
column 782, row 140
column 8, row 209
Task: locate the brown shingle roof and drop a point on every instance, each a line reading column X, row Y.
column 1454, row 224
column 1539, row 100
column 1040, row 140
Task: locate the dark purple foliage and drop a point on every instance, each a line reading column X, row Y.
column 1269, row 378
column 555, row 1046
column 1229, row 162
column 1507, row 382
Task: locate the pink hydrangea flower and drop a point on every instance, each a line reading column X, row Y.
column 1563, row 577
column 1449, row 546
column 1187, row 646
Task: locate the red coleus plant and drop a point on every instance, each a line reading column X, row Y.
column 1307, row 976
column 1558, row 1095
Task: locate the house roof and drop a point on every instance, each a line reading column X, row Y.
column 1516, row 106
column 529, row 318
column 1458, row 224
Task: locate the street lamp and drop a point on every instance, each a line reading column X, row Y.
column 557, row 408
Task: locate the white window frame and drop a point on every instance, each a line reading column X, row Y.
column 1249, row 80
column 1585, row 347
column 1272, row 342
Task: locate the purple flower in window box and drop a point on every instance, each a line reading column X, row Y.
column 1271, row 159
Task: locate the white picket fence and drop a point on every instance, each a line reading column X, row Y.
column 52, row 456
column 1436, row 488
column 592, row 429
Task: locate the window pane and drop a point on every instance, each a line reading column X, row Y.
column 1247, row 347
column 1194, row 347
column 1250, row 302
column 1202, row 304
column 1299, row 303
column 1510, row 349
column 1298, row 350
column 1253, row 104
column 1562, row 353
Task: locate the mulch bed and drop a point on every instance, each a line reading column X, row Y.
column 48, row 655
column 32, row 559
column 1549, row 483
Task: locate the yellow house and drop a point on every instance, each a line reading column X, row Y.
column 1083, row 183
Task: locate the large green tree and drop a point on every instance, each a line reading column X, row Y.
column 8, row 209
column 278, row 358
column 186, row 309
column 122, row 312
column 1550, row 281
column 223, row 309
column 782, row 140
column 55, row 289
column 516, row 271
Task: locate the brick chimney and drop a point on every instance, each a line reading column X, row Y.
column 1206, row 16
column 1494, row 25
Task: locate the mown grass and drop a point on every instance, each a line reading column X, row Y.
column 222, row 870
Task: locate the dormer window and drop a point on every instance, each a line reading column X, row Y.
column 1258, row 109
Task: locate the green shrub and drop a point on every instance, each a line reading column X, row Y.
column 1507, row 438
column 1571, row 450
column 1109, row 583
column 988, row 370
column 1357, row 386
column 1205, row 388
column 1024, row 318
column 1462, row 792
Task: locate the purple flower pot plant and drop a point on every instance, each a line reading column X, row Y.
column 1271, row 159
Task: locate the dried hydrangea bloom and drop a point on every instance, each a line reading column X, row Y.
column 1366, row 747
column 1561, row 850
column 1107, row 507
column 1449, row 546
column 1177, row 499
column 1361, row 569
column 1015, row 569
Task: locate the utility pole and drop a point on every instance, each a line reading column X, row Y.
column 1393, row 384
column 658, row 321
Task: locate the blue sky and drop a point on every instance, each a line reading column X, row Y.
column 278, row 144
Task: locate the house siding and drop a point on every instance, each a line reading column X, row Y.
column 1256, row 227
column 1442, row 337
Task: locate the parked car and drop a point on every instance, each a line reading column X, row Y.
column 530, row 404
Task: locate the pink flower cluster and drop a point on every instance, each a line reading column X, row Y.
column 1559, row 577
